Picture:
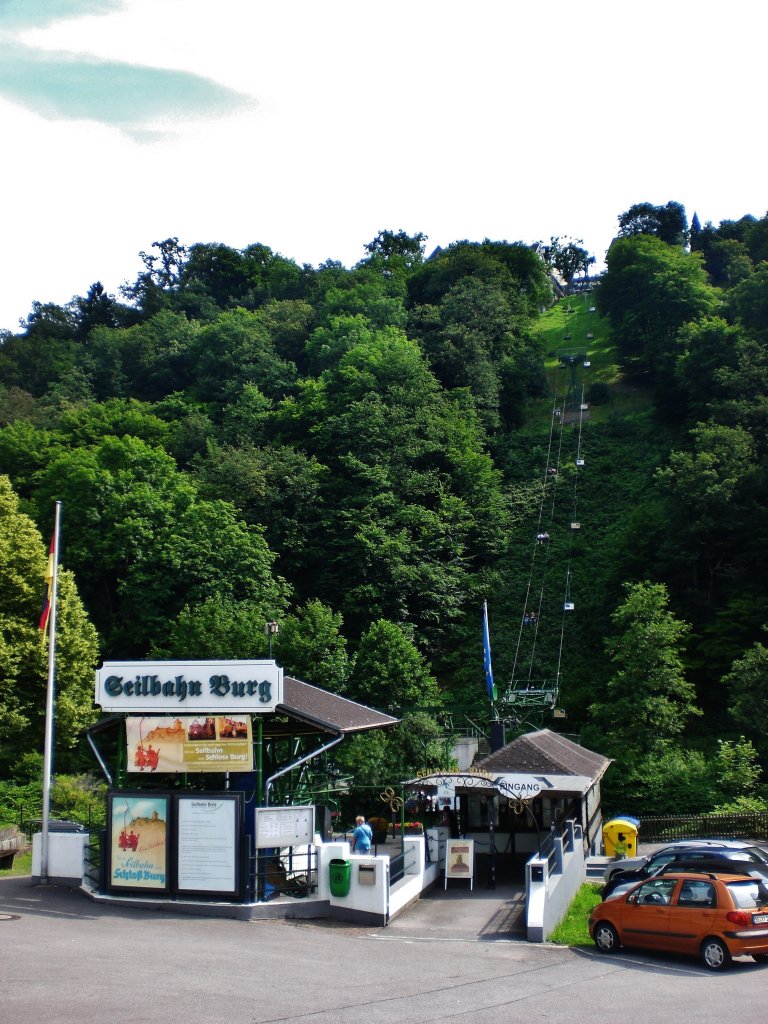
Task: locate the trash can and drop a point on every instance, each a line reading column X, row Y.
column 620, row 837
column 340, row 876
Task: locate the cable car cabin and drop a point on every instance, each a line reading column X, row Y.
column 575, row 526
column 589, row 335
column 591, row 309
column 567, row 337
column 586, row 361
column 584, row 406
column 568, row 606
column 579, row 462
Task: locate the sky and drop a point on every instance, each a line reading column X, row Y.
column 311, row 125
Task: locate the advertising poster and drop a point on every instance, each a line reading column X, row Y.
column 199, row 743
column 460, row 860
column 137, row 841
column 207, row 843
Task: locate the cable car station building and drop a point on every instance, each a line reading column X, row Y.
column 209, row 807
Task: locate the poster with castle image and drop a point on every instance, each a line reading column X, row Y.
column 184, row 743
column 460, row 860
column 137, row 841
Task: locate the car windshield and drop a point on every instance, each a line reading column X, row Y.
column 748, row 895
column 753, row 853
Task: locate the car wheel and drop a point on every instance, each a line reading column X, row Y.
column 715, row 954
column 606, row 937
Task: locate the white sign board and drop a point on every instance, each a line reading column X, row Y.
column 460, row 860
column 189, row 686
column 284, row 826
column 207, row 844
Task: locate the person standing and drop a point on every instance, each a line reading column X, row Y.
column 362, row 836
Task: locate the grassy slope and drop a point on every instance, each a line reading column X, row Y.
column 622, row 446
column 568, row 332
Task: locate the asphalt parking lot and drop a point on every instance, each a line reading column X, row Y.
column 66, row 959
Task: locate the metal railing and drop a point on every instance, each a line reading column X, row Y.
column 744, row 825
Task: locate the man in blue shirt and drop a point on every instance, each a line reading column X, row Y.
column 361, row 836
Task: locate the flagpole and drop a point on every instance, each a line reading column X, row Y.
column 49, row 700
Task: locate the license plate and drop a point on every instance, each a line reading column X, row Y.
column 760, row 919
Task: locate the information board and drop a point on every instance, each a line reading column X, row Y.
column 284, row 826
column 460, row 860
column 207, row 843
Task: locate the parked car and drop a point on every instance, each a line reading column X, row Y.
column 714, row 916
column 667, row 853
column 749, row 860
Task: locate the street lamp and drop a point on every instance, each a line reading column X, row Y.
column 271, row 629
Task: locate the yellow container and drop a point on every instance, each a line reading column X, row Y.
column 620, row 838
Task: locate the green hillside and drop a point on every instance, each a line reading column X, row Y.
column 365, row 455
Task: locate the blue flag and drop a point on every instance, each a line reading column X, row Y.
column 492, row 694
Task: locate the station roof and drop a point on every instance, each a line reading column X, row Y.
column 537, row 763
column 545, row 752
column 328, row 711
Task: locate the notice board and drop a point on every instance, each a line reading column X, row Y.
column 284, row 826
column 208, row 844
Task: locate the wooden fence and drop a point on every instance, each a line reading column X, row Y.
column 664, row 828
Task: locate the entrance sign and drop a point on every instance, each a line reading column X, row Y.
column 189, row 686
column 460, row 860
column 207, row 843
column 284, row 826
column 203, row 743
column 137, row 841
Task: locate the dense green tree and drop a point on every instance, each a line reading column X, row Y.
column 736, row 770
column 25, row 450
column 476, row 338
column 390, row 672
column 311, row 646
column 143, row 544
column 97, row 309
column 23, row 648
column 151, row 290
column 748, row 303
column 667, row 223
column 220, row 627
column 567, row 256
column 234, row 350
column 516, row 267
column 397, row 516
column 748, row 694
column 397, row 249
column 706, row 348
column 649, row 291
column 705, row 482
column 647, row 699
column 147, row 361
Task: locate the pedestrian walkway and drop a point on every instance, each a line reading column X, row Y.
column 480, row 914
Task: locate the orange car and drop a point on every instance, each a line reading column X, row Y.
column 716, row 916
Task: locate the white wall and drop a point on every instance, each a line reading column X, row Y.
column 66, row 857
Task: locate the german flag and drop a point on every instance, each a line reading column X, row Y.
column 48, row 593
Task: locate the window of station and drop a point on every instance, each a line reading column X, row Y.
column 478, row 812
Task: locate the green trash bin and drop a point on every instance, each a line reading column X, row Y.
column 340, row 876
